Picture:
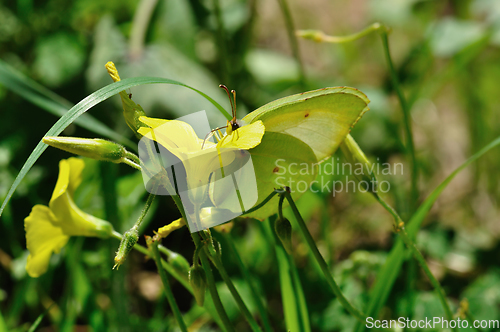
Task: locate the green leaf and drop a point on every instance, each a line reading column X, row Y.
column 83, row 106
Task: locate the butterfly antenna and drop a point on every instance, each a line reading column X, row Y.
column 231, row 101
column 234, row 104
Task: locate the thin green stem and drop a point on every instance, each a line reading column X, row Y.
column 321, row 262
column 145, row 210
column 246, row 273
column 133, row 157
column 410, row 146
column 290, row 28
column 166, row 287
column 131, row 164
column 400, row 229
column 264, row 202
column 140, row 26
column 215, row 258
column 319, row 36
column 165, row 264
column 208, row 272
column 211, row 285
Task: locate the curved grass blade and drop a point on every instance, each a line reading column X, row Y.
column 83, row 106
column 52, row 102
column 390, row 271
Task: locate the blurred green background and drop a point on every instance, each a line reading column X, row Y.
column 448, row 62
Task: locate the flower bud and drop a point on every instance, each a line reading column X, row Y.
column 97, row 148
column 179, row 263
column 129, row 239
column 131, row 110
column 198, row 280
column 283, row 229
column 356, row 156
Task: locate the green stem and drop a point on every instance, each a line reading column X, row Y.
column 140, row 26
column 290, row 28
column 321, row 262
column 145, row 210
column 264, row 202
column 165, row 264
column 131, row 164
column 406, row 117
column 166, row 287
column 133, row 157
column 208, row 271
column 399, row 226
column 246, row 273
column 211, row 285
column 215, row 258
column 319, row 36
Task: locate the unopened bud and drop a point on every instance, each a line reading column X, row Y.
column 198, row 280
column 283, row 229
column 131, row 110
column 356, row 156
column 179, row 263
column 99, row 149
column 129, row 240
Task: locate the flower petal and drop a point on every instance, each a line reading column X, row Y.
column 70, row 171
column 42, row 239
column 245, row 137
column 171, row 134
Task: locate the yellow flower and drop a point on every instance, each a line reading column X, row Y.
column 204, row 162
column 48, row 228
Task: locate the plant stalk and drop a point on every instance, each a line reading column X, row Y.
column 166, row 287
column 400, row 229
column 321, row 262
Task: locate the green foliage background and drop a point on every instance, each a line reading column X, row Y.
column 448, row 62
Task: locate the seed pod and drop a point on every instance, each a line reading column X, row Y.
column 99, row 149
column 198, row 280
column 128, row 241
column 283, row 229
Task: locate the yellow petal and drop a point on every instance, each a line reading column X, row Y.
column 152, row 122
column 70, row 171
column 42, row 239
column 75, row 222
column 68, row 216
column 76, row 166
column 245, row 137
column 178, row 137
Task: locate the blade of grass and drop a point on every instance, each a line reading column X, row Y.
column 300, row 297
column 83, row 106
column 33, row 326
column 288, row 296
column 246, row 273
column 217, row 262
column 290, row 28
column 166, row 286
column 321, row 262
column 53, row 103
column 390, row 271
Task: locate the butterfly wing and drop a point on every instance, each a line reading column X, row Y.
column 301, row 130
column 321, row 118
